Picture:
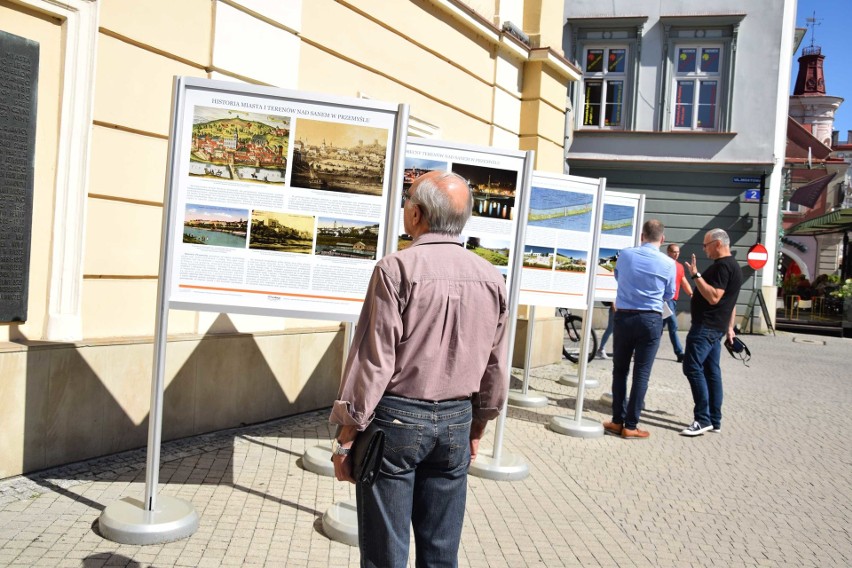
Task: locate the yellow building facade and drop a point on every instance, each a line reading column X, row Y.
column 75, row 377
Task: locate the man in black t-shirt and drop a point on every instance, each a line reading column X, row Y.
column 714, row 310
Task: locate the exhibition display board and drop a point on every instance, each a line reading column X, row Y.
column 621, row 228
column 497, row 181
column 279, row 199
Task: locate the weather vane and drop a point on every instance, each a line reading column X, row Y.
column 812, row 23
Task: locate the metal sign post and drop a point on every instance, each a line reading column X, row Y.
column 580, row 427
column 523, row 398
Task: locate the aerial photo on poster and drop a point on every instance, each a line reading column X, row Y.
column 347, row 238
column 493, row 190
column 558, row 209
column 415, row 167
column 281, row 232
column 618, row 219
column 495, row 251
column 568, row 260
column 239, row 145
column 607, row 258
column 334, row 156
column 216, row 226
column 538, row 257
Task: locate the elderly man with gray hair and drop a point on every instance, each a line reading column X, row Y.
column 714, row 310
column 428, row 368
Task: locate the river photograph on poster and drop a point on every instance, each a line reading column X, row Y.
column 281, row 232
column 239, row 145
column 618, row 219
column 347, row 238
column 341, row 157
column 416, row 167
column 558, row 209
column 493, row 189
column 215, row 226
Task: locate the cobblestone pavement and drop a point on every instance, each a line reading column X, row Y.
column 774, row 488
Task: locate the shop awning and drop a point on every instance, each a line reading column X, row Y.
column 809, row 193
column 835, row 222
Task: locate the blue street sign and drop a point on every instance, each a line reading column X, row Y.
column 752, row 195
column 746, row 179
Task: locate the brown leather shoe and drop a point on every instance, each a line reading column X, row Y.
column 636, row 434
column 613, row 428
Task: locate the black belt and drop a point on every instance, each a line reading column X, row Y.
column 638, row 311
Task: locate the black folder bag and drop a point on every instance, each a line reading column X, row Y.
column 367, row 452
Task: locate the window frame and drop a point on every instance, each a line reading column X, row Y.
column 698, row 78
column 700, row 33
column 614, row 33
column 605, row 78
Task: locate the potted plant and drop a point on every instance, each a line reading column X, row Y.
column 845, row 292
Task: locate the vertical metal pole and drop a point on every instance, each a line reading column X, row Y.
column 514, row 292
column 591, row 265
column 161, row 323
column 528, row 358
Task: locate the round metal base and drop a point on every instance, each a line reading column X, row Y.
column 572, row 381
column 318, row 460
column 606, row 398
column 127, row 522
column 510, row 467
column 586, row 428
column 528, row 400
column 340, row 522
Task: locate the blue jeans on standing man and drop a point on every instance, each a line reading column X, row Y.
column 671, row 323
column 637, row 335
column 701, row 367
column 422, row 483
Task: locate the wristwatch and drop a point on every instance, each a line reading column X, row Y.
column 337, row 449
column 696, row 276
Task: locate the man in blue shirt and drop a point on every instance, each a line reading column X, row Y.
column 646, row 278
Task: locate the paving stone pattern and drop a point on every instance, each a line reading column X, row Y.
column 774, row 488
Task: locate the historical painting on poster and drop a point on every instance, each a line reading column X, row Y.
column 18, row 94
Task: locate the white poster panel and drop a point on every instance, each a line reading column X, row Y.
column 558, row 241
column 622, row 224
column 496, row 178
column 279, row 199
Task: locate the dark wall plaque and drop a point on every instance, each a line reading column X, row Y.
column 18, row 94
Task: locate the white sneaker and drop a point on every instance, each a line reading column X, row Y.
column 601, row 354
column 695, row 429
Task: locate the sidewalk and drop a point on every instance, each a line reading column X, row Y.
column 773, row 489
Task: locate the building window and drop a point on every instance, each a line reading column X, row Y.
column 698, row 72
column 697, row 87
column 604, row 80
column 607, row 50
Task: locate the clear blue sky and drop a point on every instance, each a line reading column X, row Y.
column 832, row 34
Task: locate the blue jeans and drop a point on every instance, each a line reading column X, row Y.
column 422, row 484
column 637, row 335
column 610, row 325
column 671, row 323
column 701, row 367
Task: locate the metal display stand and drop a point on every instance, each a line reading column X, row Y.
column 581, row 427
column 159, row 519
column 501, row 466
column 524, row 398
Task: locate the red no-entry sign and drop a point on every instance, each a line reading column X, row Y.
column 757, row 256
